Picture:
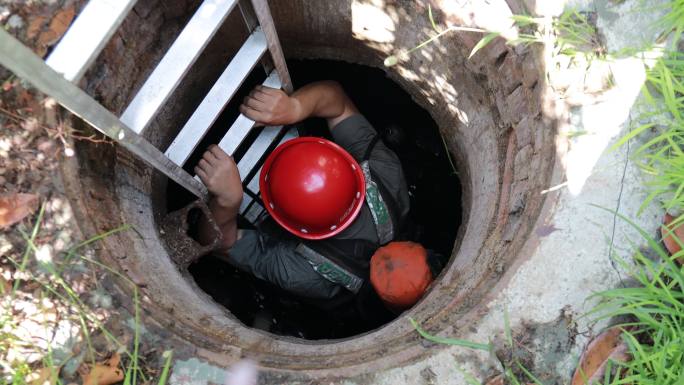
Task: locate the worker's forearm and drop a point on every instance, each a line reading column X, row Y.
column 325, row 99
column 226, row 220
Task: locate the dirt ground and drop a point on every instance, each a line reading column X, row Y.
column 56, row 317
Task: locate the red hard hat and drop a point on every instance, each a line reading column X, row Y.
column 399, row 273
column 312, row 187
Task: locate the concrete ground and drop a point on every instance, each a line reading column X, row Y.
column 568, row 255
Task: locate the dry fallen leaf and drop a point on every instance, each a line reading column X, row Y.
column 498, row 380
column 606, row 346
column 7, row 85
column 35, row 25
column 5, row 286
column 15, row 207
column 105, row 373
column 669, row 233
column 57, row 28
column 44, row 376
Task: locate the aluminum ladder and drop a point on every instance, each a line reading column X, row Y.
column 58, row 75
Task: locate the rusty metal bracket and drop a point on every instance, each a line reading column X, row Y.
column 183, row 249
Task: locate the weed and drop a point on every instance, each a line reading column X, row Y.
column 654, row 330
column 661, row 157
column 570, row 34
column 450, row 341
column 394, row 59
column 673, row 21
column 489, row 348
column 54, row 286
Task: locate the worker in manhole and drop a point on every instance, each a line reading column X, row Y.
column 332, row 207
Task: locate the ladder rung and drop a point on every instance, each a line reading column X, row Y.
column 242, row 125
column 253, row 184
column 257, row 150
column 176, row 62
column 86, row 37
column 253, row 187
column 223, row 90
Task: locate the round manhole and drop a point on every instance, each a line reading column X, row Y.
column 486, row 108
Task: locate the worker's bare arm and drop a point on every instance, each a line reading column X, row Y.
column 220, row 174
column 325, row 99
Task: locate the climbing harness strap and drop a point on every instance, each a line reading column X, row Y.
column 376, row 203
column 345, row 261
column 330, row 270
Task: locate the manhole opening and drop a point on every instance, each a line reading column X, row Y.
column 493, row 118
column 434, row 190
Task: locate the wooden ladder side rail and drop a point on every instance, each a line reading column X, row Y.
column 263, row 13
column 27, row 65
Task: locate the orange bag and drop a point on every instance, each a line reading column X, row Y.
column 400, row 274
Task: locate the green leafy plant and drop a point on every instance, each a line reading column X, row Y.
column 450, row 341
column 569, row 34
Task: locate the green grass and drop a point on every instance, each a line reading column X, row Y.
column 673, row 22
column 450, row 341
column 654, row 313
column 509, row 372
column 661, row 156
column 570, row 34
column 655, row 309
column 53, row 284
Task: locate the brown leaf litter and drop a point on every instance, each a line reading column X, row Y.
column 104, row 373
column 15, row 207
column 606, row 346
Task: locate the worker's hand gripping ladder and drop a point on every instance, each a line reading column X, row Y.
column 88, row 35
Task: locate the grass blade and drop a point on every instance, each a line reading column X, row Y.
column 449, row 341
column 483, row 42
column 168, row 355
column 432, row 19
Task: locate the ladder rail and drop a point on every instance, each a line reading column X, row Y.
column 25, row 64
column 265, row 18
column 251, row 23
